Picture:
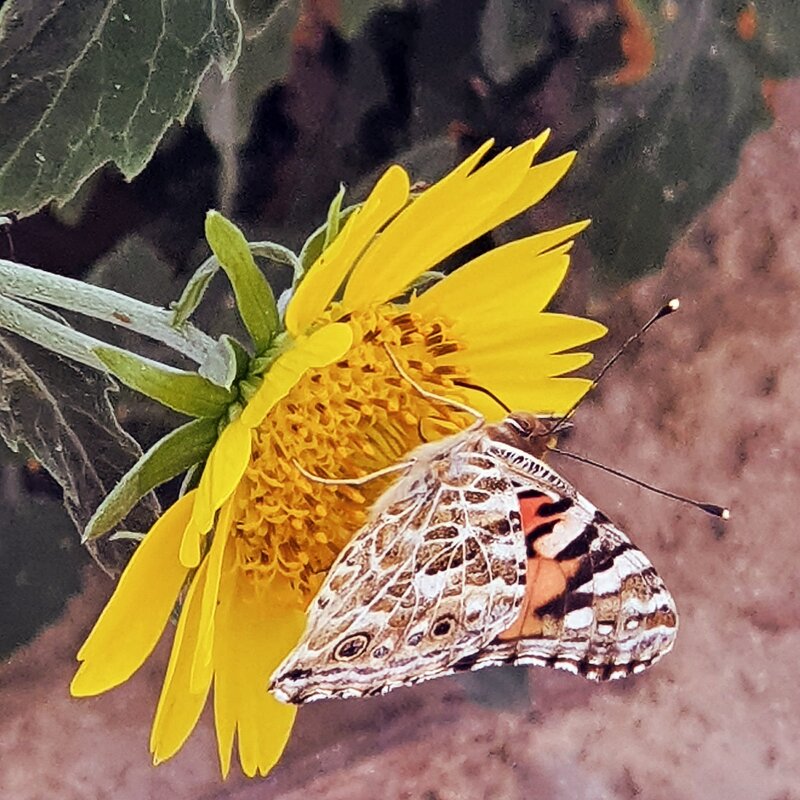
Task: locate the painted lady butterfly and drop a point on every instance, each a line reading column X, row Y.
column 480, row 554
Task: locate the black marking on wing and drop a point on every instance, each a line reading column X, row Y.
column 529, row 494
column 467, row 662
column 607, row 558
column 600, row 518
column 562, row 604
column 579, row 546
column 540, row 530
column 555, row 508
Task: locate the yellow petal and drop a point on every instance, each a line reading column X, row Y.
column 545, row 396
column 134, row 618
column 513, row 356
column 201, row 665
column 537, row 334
column 323, row 347
column 438, row 223
column 326, row 275
column 179, row 707
column 509, row 280
column 488, row 368
column 254, row 635
column 221, row 475
column 538, row 182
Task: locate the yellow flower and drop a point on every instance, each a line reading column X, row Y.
column 250, row 545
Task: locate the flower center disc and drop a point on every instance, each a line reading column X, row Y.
column 346, row 420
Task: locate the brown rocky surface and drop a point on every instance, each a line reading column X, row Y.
column 706, row 406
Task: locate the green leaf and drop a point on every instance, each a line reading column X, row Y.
column 513, row 35
column 103, row 304
column 82, row 84
column 254, row 297
column 277, row 253
column 662, row 149
column 175, row 453
column 775, row 33
column 186, row 392
column 270, row 28
column 60, row 412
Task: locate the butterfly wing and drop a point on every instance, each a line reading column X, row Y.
column 437, row 574
column 594, row 604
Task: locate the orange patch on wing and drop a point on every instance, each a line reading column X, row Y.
column 529, row 511
column 546, row 580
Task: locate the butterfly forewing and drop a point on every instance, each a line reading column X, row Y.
column 594, row 604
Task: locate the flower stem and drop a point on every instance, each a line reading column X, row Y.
column 104, row 304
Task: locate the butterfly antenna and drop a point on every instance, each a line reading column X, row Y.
column 488, row 392
column 710, row 508
column 668, row 308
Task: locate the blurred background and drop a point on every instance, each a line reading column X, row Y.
column 686, row 118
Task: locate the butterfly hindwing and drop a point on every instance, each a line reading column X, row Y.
column 439, row 571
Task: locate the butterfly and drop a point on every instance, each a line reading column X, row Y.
column 480, row 555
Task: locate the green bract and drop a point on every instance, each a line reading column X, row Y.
column 186, row 392
column 254, row 298
column 175, row 453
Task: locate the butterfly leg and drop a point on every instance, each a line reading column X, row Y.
column 362, row 479
column 479, row 419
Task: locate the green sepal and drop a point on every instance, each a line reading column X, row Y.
column 254, row 297
column 319, row 240
column 193, row 292
column 186, row 392
column 277, row 253
column 239, row 357
column 334, row 218
column 176, row 452
column 227, row 362
column 127, row 536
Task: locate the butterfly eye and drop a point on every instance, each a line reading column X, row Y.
column 518, row 425
column 442, row 626
column 351, row 647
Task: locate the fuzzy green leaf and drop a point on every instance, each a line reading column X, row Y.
column 175, row 453
column 85, row 83
column 254, row 297
column 186, row 392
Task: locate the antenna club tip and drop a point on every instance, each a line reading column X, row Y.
column 668, row 308
column 714, row 510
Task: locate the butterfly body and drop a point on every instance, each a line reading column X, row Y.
column 480, row 554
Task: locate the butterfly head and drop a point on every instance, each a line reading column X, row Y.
column 525, row 431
